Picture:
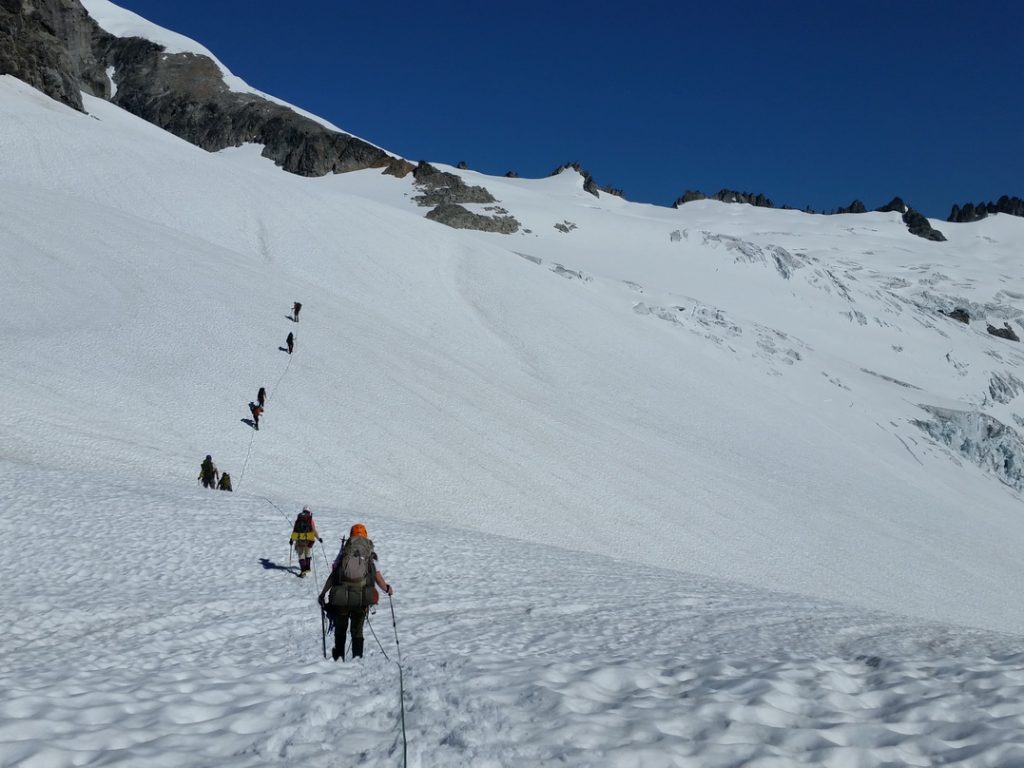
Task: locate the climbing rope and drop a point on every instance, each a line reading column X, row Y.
column 401, row 675
column 252, row 438
column 286, row 518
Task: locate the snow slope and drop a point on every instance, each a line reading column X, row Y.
column 667, row 462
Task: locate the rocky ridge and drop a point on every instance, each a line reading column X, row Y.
column 55, row 46
column 1014, row 206
column 589, row 183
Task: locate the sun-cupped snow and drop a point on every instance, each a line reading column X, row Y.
column 654, row 486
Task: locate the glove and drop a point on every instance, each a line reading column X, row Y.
column 389, row 590
column 320, row 540
column 321, row 601
column 290, row 542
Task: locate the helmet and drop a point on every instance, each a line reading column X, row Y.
column 358, row 530
column 209, row 457
column 306, row 509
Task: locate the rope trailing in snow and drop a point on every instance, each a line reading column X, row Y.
column 252, row 439
column 286, row 518
column 245, row 464
column 401, row 675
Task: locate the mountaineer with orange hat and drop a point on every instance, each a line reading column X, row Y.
column 351, row 588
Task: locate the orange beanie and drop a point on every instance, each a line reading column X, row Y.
column 358, row 530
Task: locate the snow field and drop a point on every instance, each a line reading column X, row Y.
column 165, row 628
column 650, row 492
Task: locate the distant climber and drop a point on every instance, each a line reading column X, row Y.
column 296, row 308
column 208, row 473
column 304, row 533
column 261, row 397
column 290, row 341
column 351, row 590
column 225, row 482
column 256, row 411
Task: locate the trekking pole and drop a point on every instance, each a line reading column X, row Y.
column 323, row 630
column 323, row 552
column 394, row 624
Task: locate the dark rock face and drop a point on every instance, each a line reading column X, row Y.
column 48, row 44
column 1006, row 332
column 1014, row 206
column 456, row 216
column 440, row 188
column 399, row 167
column 689, row 196
column 462, row 166
column 55, row 46
column 511, row 175
column 726, row 196
column 589, row 185
column 446, row 193
column 960, row 314
column 613, row 191
column 855, row 207
column 896, row 205
column 918, row 225
column 185, row 94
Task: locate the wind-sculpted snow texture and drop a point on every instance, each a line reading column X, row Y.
column 202, row 648
column 698, row 476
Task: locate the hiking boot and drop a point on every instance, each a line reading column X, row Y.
column 336, row 654
column 357, row 647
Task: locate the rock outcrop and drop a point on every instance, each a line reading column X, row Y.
column 855, row 207
column 446, row 194
column 918, row 224
column 57, row 47
column 456, row 216
column 896, row 205
column 959, row 314
column 589, row 185
column 725, row 196
column 49, row 45
column 440, row 188
column 1006, row 332
column 1014, row 206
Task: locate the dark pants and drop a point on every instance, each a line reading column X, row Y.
column 341, row 621
column 348, row 607
column 209, row 483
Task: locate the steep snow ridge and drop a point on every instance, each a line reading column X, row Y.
column 121, row 22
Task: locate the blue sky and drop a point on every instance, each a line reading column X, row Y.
column 811, row 103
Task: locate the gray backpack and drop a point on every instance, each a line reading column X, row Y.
column 353, row 576
column 356, row 566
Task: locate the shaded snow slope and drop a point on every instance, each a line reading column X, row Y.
column 709, row 415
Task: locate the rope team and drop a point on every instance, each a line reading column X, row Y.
column 209, row 475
